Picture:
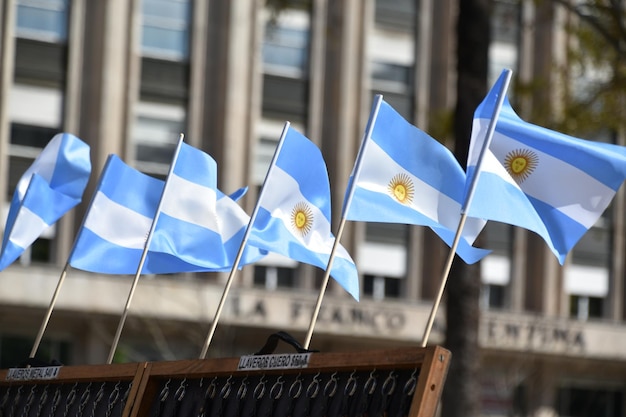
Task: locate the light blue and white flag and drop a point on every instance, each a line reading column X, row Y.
column 294, row 211
column 50, row 187
column 405, row 176
column 189, row 235
column 116, row 226
column 541, row 180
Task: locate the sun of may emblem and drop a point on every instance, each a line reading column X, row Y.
column 401, row 188
column 520, row 163
column 302, row 218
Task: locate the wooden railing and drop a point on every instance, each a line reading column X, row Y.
column 400, row 382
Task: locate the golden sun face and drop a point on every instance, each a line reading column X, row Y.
column 401, row 188
column 302, row 218
column 520, row 163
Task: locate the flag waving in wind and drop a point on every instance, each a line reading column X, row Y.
column 402, row 175
column 294, row 211
column 195, row 231
column 51, row 186
column 538, row 179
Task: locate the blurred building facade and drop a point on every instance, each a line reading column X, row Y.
column 127, row 76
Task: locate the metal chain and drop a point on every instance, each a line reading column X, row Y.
column 16, row 400
column 29, row 401
column 96, row 401
column 84, row 399
column 115, row 395
column 4, row 400
column 42, row 400
column 71, row 397
column 56, row 399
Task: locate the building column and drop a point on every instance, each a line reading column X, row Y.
column 105, row 89
column 65, row 230
column 7, row 63
column 616, row 296
column 232, row 91
column 542, row 390
column 197, row 71
column 343, row 121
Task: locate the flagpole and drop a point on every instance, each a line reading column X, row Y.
column 348, row 200
column 57, row 291
column 242, row 247
column 144, row 254
column 318, row 304
column 470, row 195
column 46, row 319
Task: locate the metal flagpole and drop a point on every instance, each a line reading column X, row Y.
column 46, row 319
column 144, row 254
column 244, row 240
column 348, row 200
column 470, row 194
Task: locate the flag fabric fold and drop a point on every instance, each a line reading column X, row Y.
column 233, row 223
column 406, row 176
column 190, row 232
column 187, row 227
column 550, row 183
column 294, row 210
column 49, row 188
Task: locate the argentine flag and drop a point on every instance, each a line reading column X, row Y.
column 293, row 217
column 402, row 175
column 50, row 187
column 538, row 179
column 193, row 233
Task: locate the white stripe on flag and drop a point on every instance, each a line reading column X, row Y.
column 490, row 163
column 27, row 228
column 44, row 165
column 116, row 223
column 427, row 200
column 569, row 185
column 231, row 218
column 190, row 202
column 276, row 202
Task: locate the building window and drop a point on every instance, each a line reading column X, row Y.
column 286, row 50
column 160, row 116
column 379, row 287
column 590, row 402
column 44, row 20
column 286, row 43
column 165, row 30
column 156, row 132
column 13, row 348
column 273, row 277
column 585, row 307
column 269, row 132
column 587, row 274
column 396, row 14
column 505, row 22
column 493, row 296
column 505, row 27
column 391, row 53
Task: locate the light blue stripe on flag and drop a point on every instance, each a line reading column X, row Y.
column 117, row 224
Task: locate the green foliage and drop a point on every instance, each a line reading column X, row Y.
column 594, row 102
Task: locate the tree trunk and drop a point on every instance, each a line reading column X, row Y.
column 461, row 396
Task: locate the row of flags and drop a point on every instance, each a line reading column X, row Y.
column 552, row 184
